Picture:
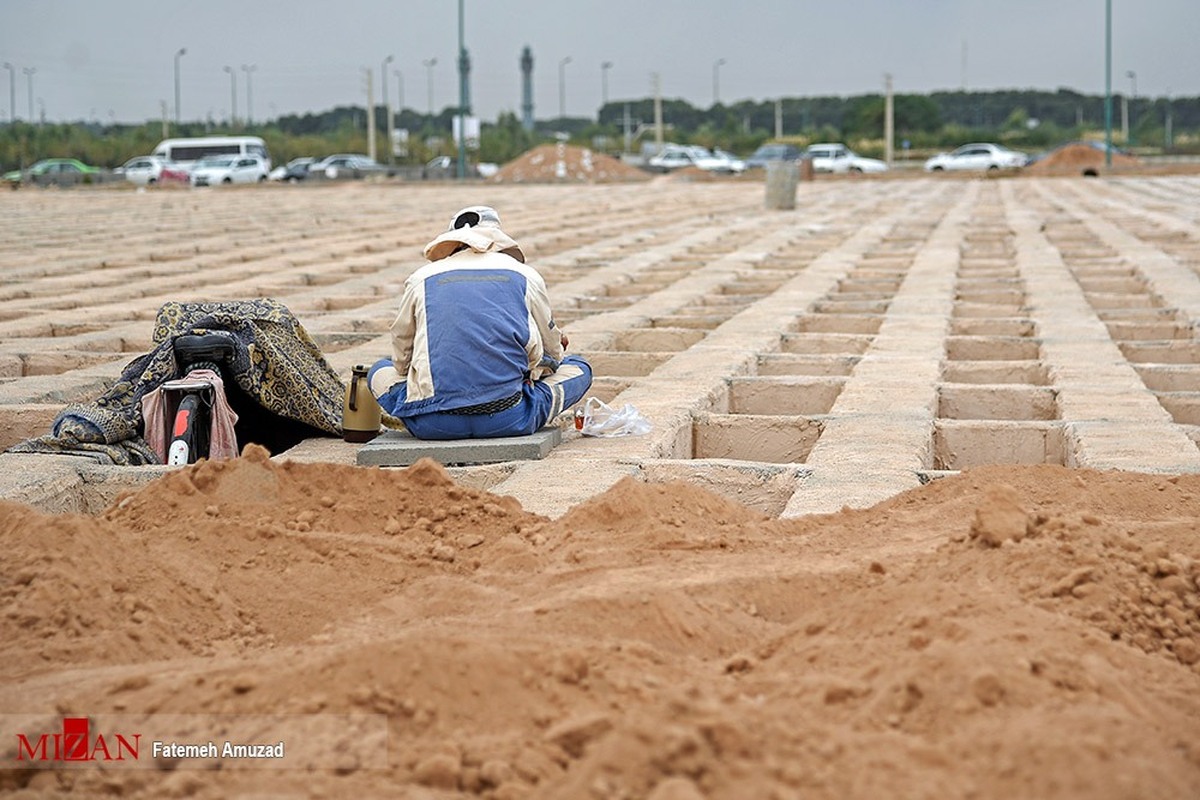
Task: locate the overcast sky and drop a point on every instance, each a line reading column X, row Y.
column 114, row 60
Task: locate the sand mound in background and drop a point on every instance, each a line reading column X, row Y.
column 558, row 163
column 1075, row 157
column 1007, row 632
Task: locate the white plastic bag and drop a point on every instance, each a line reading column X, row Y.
column 601, row 419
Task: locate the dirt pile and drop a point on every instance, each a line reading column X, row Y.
column 562, row 163
column 1008, row 632
column 1076, row 157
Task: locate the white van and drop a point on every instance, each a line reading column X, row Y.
column 188, row 151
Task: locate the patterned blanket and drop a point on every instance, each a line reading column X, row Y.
column 275, row 362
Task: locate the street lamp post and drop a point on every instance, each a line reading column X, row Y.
column 1108, row 83
column 1132, row 140
column 604, row 68
column 180, row 53
column 562, row 87
column 717, row 80
column 463, row 64
column 399, row 91
column 232, row 95
column 430, row 63
column 387, row 105
column 29, row 76
column 12, row 91
column 249, row 69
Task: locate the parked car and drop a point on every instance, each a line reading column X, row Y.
column 148, row 170
column 733, row 163
column 215, row 170
column 677, row 156
column 442, row 167
column 980, row 156
column 54, row 171
column 347, row 165
column 775, row 151
column 294, row 170
column 838, row 158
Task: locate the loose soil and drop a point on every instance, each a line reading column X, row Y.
column 1004, row 632
column 1075, row 157
column 558, row 163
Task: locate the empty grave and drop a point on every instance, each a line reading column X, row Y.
column 771, row 439
column 803, row 364
column 839, row 323
column 961, row 444
column 1171, row 377
column 625, row 364
column 789, row 396
column 1181, row 351
column 991, row 348
column 993, row 326
column 657, row 340
column 1148, row 331
column 825, row 343
column 998, row 371
column 995, row 402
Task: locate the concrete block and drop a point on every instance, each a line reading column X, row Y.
column 400, row 449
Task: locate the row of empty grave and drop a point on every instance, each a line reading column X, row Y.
column 925, row 356
column 877, row 337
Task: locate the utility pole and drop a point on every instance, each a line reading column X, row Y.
column 778, row 118
column 180, row 53
column 29, row 71
column 387, row 106
column 562, row 87
column 1168, row 138
column 1108, row 83
column 370, row 115
column 658, row 118
column 12, row 92
column 249, row 69
column 605, row 66
column 232, row 96
column 888, row 120
column 1132, row 138
column 464, row 65
column 430, row 63
column 717, row 80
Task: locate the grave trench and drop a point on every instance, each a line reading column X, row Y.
column 776, row 415
column 1156, row 338
column 994, row 404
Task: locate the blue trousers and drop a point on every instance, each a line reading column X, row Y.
column 541, row 401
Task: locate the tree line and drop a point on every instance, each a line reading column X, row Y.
column 1027, row 119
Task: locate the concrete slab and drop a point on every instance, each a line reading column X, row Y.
column 401, row 449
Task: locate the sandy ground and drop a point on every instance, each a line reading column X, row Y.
column 1021, row 627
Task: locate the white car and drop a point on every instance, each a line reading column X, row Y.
column 677, row 156
column 215, row 170
column 143, row 170
column 838, row 158
column 347, row 165
column 980, row 156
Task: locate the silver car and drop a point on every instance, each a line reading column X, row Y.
column 214, row 170
column 981, row 156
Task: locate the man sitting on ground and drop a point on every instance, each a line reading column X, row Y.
column 476, row 352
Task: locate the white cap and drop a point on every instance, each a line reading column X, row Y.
column 473, row 216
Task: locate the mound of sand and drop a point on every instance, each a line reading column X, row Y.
column 1075, row 157
column 1007, row 632
column 559, row 163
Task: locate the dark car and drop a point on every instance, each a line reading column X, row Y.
column 294, row 170
column 776, row 151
